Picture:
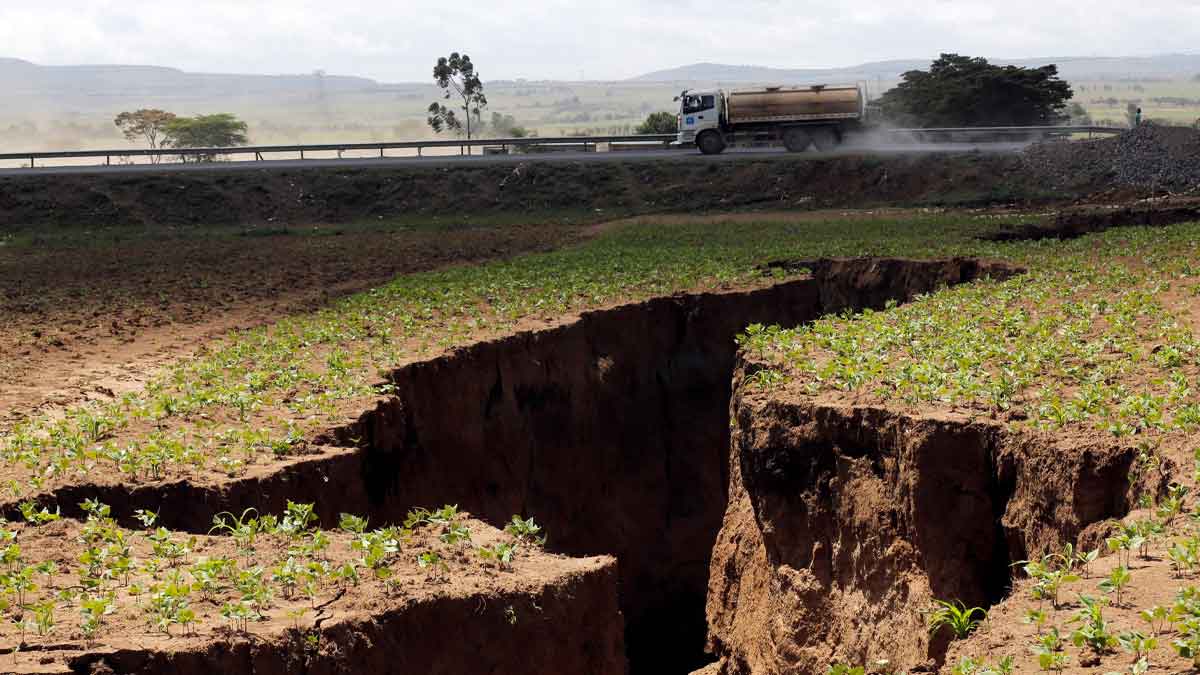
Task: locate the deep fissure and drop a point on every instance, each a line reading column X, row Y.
column 613, row 431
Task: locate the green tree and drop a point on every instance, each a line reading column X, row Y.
column 960, row 91
column 221, row 130
column 505, row 126
column 148, row 124
column 456, row 76
column 659, row 123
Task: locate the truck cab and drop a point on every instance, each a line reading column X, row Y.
column 698, row 111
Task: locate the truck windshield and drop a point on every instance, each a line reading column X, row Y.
column 693, row 103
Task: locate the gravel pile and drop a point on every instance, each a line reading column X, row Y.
column 1149, row 157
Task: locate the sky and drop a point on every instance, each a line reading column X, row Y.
column 399, row 40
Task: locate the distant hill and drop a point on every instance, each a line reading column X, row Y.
column 89, row 79
column 97, row 86
column 1070, row 67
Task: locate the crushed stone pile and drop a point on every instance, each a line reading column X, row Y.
column 1150, row 157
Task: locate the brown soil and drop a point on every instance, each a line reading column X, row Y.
column 91, row 320
column 544, row 613
column 1154, row 583
column 845, row 522
column 349, row 195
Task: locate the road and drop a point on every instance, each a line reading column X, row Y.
column 554, row 157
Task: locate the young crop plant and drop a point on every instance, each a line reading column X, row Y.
column 433, row 564
column 1093, row 628
column 170, row 605
column 1157, row 617
column 1116, row 582
column 501, row 552
column 1048, row 579
column 244, row 529
column 1137, row 644
column 92, row 612
column 955, row 617
column 526, row 531
column 1049, row 651
column 35, row 516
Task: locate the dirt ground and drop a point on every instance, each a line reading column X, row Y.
column 92, row 313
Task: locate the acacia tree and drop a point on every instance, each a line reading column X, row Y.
column 149, row 124
column 960, row 91
column 205, row 131
column 456, row 76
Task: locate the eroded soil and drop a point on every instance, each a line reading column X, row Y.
column 92, row 314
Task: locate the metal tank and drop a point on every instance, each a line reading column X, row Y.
column 784, row 104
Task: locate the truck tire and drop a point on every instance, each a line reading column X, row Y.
column 711, row 143
column 796, row 140
column 825, row 139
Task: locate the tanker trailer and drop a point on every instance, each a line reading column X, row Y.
column 799, row 116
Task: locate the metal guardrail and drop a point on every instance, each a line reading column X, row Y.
column 583, row 142
column 259, row 150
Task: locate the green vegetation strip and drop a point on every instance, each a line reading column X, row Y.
column 1099, row 334
column 259, row 395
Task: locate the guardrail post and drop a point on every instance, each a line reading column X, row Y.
column 107, row 160
column 419, row 148
column 301, row 153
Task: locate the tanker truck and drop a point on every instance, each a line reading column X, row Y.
column 799, row 116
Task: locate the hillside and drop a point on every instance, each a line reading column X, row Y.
column 1070, row 67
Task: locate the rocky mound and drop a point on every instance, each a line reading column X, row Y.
column 1150, row 157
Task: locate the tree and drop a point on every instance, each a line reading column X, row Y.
column 456, row 76
column 221, row 130
column 505, row 126
column 659, row 123
column 960, row 91
column 148, row 124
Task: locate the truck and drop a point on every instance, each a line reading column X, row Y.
column 819, row 115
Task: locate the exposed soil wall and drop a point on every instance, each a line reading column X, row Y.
column 564, row 627
column 844, row 524
column 340, row 195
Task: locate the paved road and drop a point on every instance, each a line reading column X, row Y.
column 556, row 157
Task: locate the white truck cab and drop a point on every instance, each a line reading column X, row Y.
column 698, row 111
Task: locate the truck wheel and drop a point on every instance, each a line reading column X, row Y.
column 796, row 140
column 825, row 139
column 711, row 143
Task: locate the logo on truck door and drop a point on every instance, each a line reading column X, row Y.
column 691, row 120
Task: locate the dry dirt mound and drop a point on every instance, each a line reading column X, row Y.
column 1148, row 157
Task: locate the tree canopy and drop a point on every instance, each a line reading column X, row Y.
column 221, row 130
column 148, row 124
column 456, row 76
column 960, row 91
column 659, row 123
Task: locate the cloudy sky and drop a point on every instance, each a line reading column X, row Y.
column 397, row 40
